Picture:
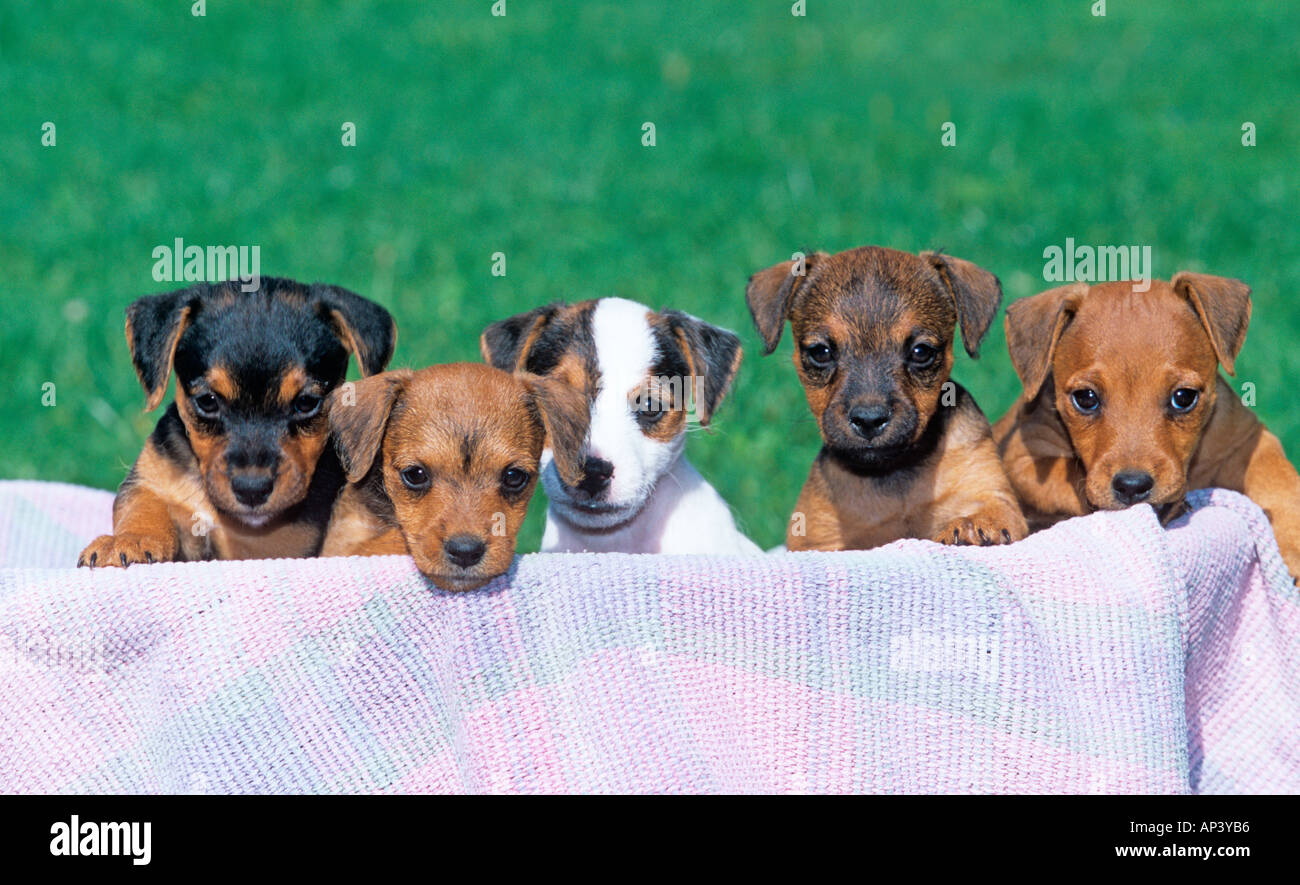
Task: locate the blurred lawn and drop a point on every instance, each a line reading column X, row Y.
column 523, row 134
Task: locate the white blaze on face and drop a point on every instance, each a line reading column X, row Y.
column 625, row 353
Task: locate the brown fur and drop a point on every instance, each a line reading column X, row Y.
column 465, row 425
column 294, row 382
column 162, row 513
column 1133, row 350
column 935, row 473
column 167, row 511
column 221, row 382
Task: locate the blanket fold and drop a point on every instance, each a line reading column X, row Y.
column 1104, row 655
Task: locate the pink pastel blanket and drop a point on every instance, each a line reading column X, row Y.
column 1105, row 655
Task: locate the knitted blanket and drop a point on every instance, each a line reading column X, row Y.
column 1104, row 655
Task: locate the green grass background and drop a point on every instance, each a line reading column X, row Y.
column 523, row 134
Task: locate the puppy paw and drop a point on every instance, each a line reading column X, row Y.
column 123, row 550
column 979, row 530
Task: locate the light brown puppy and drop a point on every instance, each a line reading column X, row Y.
column 442, row 462
column 907, row 453
column 1123, row 404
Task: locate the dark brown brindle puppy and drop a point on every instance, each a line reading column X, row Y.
column 1123, row 404
column 442, row 463
column 906, row 453
column 238, row 466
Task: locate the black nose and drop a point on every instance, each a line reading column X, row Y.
column 870, row 421
column 251, row 490
column 464, row 550
column 1132, row 486
column 596, row 475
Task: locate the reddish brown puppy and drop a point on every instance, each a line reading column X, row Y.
column 906, row 451
column 1123, row 404
column 442, row 463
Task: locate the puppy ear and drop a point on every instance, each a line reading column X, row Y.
column 154, row 325
column 1224, row 308
column 505, row 343
column 772, row 294
column 566, row 416
column 714, row 356
column 1034, row 325
column 359, row 413
column 366, row 329
column 975, row 292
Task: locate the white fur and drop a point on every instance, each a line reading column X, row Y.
column 657, row 502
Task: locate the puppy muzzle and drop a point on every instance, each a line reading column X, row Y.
column 254, row 484
column 874, row 431
column 1130, row 486
column 588, row 506
column 456, row 563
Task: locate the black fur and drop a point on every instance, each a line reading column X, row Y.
column 153, row 322
column 259, row 332
column 896, row 468
column 502, row 341
column 555, row 332
column 255, row 338
column 716, row 353
column 371, row 325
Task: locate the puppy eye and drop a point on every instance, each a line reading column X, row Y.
column 1184, row 399
column 922, row 355
column 207, row 405
column 513, row 479
column 651, row 415
column 819, row 355
column 306, row 405
column 651, row 404
column 415, row 478
column 1086, row 400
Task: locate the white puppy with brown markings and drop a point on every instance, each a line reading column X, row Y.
column 642, row 371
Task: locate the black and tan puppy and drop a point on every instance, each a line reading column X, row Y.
column 906, row 452
column 442, row 463
column 238, row 466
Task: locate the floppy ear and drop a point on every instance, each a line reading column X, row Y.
column 566, row 417
column 975, row 292
column 1034, row 326
column 772, row 294
column 154, row 325
column 359, row 413
column 1224, row 308
column 366, row 329
column 505, row 343
column 713, row 354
